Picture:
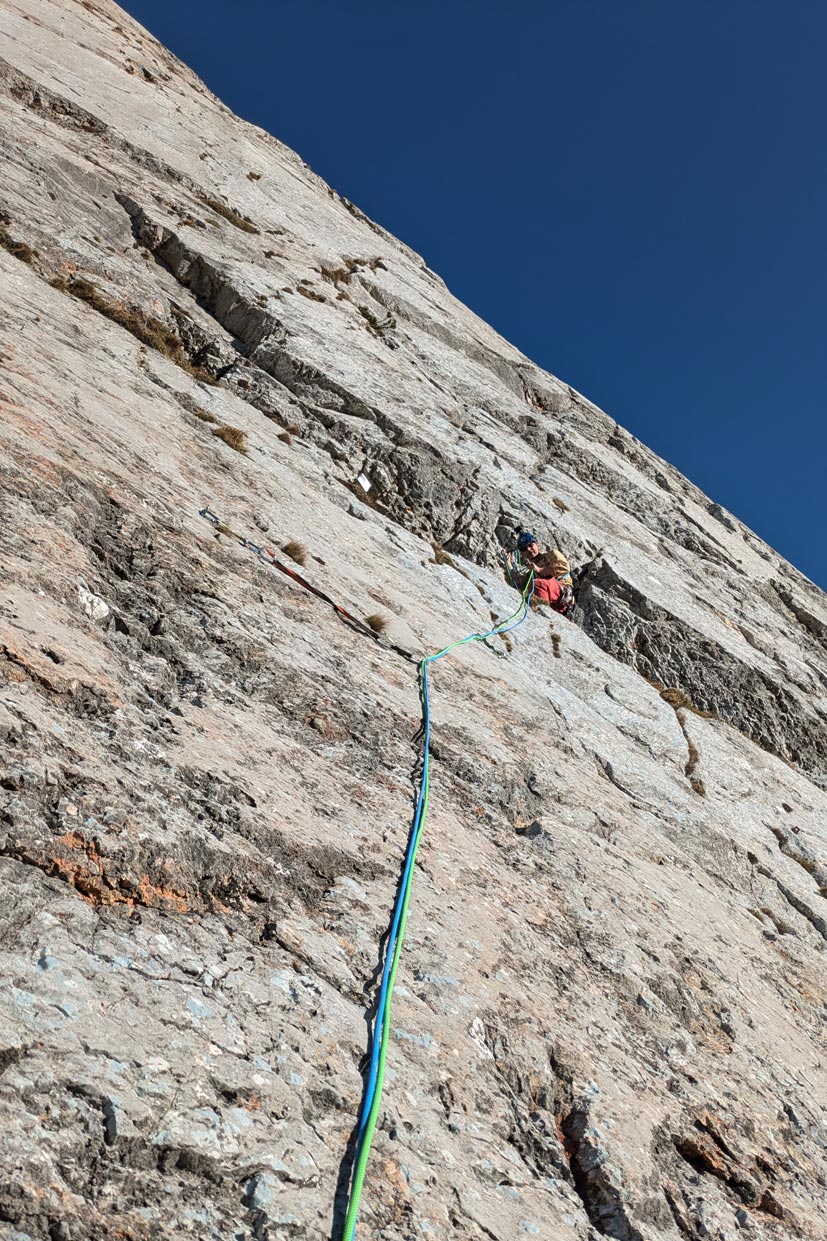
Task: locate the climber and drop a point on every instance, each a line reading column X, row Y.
column 553, row 583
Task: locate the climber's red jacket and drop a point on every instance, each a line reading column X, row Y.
column 548, row 590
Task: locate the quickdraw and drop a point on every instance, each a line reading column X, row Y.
column 271, row 559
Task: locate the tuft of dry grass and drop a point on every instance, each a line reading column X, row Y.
column 286, row 437
column 442, row 557
column 350, row 267
column 555, row 645
column 296, row 551
column 228, row 213
column 17, row 249
column 694, row 756
column 676, row 698
column 681, row 701
column 233, row 437
column 782, row 927
column 806, row 863
column 204, row 415
column 377, row 622
column 145, row 328
column 253, row 176
column 561, row 504
column 336, row 275
column 307, row 292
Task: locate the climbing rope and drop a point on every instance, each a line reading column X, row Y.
column 371, row 1101
column 381, row 1031
column 510, row 566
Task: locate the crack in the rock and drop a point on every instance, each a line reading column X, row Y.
column 592, row 1177
column 683, row 1223
column 706, row 1150
column 816, row 921
column 669, row 651
column 802, row 858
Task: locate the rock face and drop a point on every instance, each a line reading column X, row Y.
column 611, row 1010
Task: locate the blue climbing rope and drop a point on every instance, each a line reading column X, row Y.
column 372, row 1098
column 379, row 1043
column 509, row 566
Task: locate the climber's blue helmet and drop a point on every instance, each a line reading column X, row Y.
column 525, row 540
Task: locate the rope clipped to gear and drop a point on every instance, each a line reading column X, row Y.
column 271, row 559
column 371, row 1101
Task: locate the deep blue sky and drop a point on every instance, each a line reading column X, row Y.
column 632, row 191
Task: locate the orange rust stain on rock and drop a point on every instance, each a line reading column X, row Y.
column 160, row 898
column 699, row 1151
column 393, row 1175
column 94, row 880
column 12, row 672
column 17, row 667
